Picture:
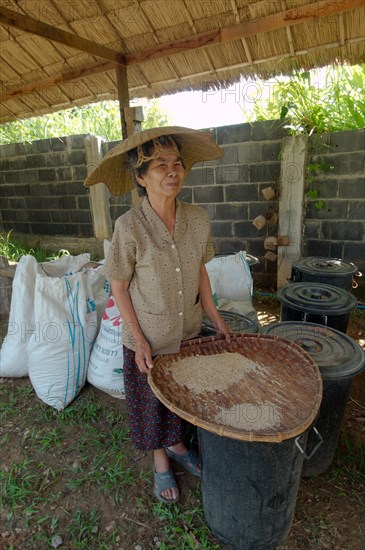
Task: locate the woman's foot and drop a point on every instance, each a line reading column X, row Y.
column 188, row 459
column 162, row 466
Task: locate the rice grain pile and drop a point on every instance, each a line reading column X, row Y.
column 212, row 372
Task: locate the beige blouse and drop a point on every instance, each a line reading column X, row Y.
column 163, row 272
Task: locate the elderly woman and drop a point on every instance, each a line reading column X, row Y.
column 161, row 286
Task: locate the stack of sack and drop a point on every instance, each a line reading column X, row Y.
column 55, row 314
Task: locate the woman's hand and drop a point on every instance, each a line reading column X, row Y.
column 143, row 355
column 222, row 328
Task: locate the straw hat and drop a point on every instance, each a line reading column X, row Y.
column 113, row 170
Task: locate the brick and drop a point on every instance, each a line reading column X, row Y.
column 334, row 209
column 343, row 230
column 210, row 208
column 268, row 130
column 83, row 203
column 247, row 230
column 60, row 216
column 353, row 188
column 41, row 146
column 59, row 189
column 22, row 190
column 230, row 154
column 52, row 203
column 34, row 161
column 221, row 229
column 76, row 157
column 30, row 176
column 16, row 164
column 43, row 216
column 346, row 163
column 64, row 173
column 17, row 203
column 38, row 190
column 34, row 203
column 271, row 151
column 55, row 159
column 259, row 209
column 12, row 177
column 47, row 174
column 69, row 203
column 4, row 163
column 58, row 144
column 186, row 195
column 208, row 194
column 80, row 216
column 79, row 173
column 249, row 153
column 236, row 133
column 354, row 252
column 7, row 215
column 312, row 229
column 62, row 229
column 77, row 141
column 348, row 140
column 232, row 212
column 327, row 188
column 77, row 188
column 265, row 172
column 357, row 210
column 20, row 227
column 328, row 249
column 7, row 190
column 241, row 193
column 22, row 216
column 232, row 173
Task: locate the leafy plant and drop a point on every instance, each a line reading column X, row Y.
column 315, row 101
column 13, row 250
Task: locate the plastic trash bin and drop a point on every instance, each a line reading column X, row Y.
column 340, row 359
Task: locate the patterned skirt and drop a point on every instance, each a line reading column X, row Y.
column 153, row 426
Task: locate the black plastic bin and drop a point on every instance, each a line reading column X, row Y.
column 316, row 303
column 249, row 489
column 340, row 359
column 331, row 271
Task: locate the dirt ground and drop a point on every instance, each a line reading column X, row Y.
column 329, row 513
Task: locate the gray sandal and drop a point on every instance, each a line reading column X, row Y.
column 189, row 460
column 163, row 481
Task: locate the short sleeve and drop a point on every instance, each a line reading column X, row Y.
column 121, row 257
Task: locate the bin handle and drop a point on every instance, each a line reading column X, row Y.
column 325, row 318
column 314, row 450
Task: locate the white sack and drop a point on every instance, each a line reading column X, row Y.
column 14, row 354
column 105, row 370
column 65, row 329
column 231, row 278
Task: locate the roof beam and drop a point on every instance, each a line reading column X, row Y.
column 322, row 8
column 28, row 24
column 276, row 21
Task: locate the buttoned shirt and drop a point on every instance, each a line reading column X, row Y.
column 163, row 272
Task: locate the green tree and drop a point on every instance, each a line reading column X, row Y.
column 101, row 119
column 313, row 102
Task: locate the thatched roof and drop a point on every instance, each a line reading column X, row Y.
column 57, row 53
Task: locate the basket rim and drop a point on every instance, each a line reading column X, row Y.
column 237, row 433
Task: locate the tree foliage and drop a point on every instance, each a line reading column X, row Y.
column 315, row 101
column 101, row 119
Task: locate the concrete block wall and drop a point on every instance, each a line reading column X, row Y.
column 337, row 228
column 42, row 190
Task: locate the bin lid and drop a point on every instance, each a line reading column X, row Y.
column 331, row 267
column 337, row 354
column 236, row 321
column 317, row 298
column 244, row 389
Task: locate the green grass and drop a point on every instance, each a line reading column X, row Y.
column 13, row 249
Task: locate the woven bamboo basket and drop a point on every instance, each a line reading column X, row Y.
column 269, row 390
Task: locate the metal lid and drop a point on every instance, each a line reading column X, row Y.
column 325, row 266
column 336, row 354
column 317, row 298
column 237, row 322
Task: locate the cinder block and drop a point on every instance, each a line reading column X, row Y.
column 208, row 194
column 249, row 153
column 343, row 230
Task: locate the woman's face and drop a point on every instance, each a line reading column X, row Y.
column 165, row 175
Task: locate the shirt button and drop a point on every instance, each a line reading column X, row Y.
column 180, row 292
column 180, row 313
column 172, row 246
column 177, row 269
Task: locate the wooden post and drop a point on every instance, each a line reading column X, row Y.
column 130, row 117
column 292, row 182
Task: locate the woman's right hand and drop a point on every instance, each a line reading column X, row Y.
column 143, row 356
